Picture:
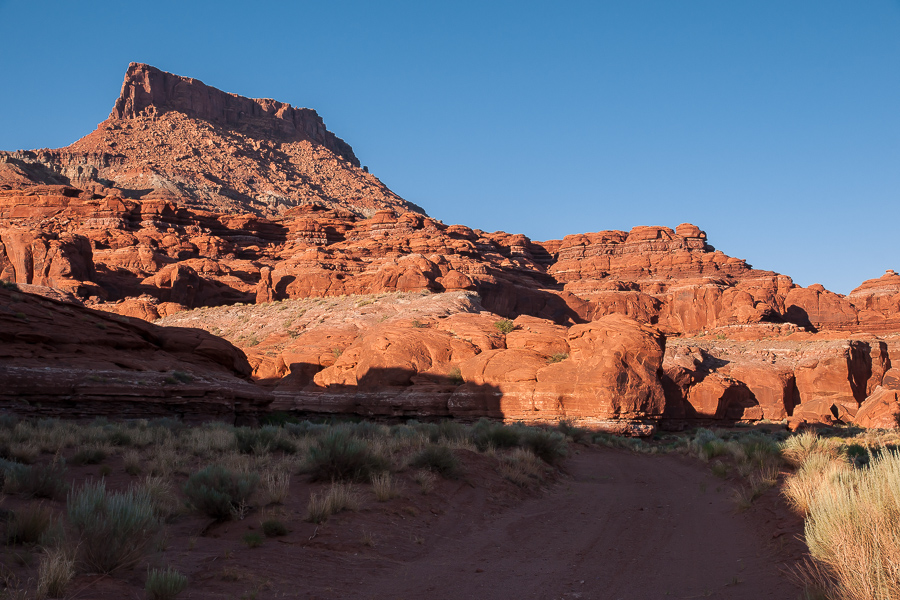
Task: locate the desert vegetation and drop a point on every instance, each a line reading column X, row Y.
column 130, row 500
column 848, row 489
column 127, row 499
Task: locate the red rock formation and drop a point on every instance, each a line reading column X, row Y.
column 61, row 359
column 176, row 139
column 190, row 197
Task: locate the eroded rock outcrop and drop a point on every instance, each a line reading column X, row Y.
column 191, row 198
column 61, row 359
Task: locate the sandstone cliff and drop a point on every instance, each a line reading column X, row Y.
column 191, row 198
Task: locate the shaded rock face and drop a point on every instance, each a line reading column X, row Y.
column 60, row 359
column 452, row 360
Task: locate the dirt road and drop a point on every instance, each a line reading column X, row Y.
column 621, row 526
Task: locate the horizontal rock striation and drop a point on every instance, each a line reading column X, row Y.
column 205, row 209
column 59, row 359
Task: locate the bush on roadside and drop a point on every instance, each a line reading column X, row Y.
column 341, row 457
column 549, row 446
column 115, row 528
column 851, row 529
column 495, row 435
column 217, row 491
column 439, row 459
column 164, row 584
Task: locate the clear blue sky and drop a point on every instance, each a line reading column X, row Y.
column 772, row 124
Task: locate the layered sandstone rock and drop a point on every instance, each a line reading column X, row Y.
column 803, row 377
column 190, row 204
column 176, row 139
column 60, row 359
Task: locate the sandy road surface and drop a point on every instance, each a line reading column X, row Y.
column 622, row 527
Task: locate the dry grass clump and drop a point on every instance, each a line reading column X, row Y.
column 339, row 497
column 816, row 471
column 164, row 584
column 522, row 467
column 852, row 528
column 115, row 529
column 797, row 448
column 426, row 480
column 852, row 510
column 275, row 485
column 28, row 524
column 384, row 487
column 55, row 572
column 162, row 496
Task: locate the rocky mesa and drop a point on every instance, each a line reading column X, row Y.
column 249, row 220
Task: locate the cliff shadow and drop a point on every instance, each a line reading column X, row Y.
column 386, row 392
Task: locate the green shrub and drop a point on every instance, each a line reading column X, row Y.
column 340, row 457
column 858, row 454
column 27, row 525
column 439, row 459
column 451, row 431
column 555, row 358
column 88, row 456
column 265, row 439
column 274, row 528
column 579, row 435
column 253, row 540
column 115, row 528
column 36, row 481
column 164, row 584
column 119, row 438
column 217, row 491
column 455, row 376
column 496, row 435
column 505, row 326
column 182, row 377
column 549, row 446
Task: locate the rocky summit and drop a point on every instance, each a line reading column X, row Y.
column 279, row 275
column 176, row 139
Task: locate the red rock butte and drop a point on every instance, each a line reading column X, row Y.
column 175, row 138
column 200, row 207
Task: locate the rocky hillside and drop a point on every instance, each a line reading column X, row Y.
column 248, row 219
column 176, row 139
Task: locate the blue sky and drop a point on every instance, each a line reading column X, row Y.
column 772, row 124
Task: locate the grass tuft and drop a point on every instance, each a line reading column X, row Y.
column 164, row 584
column 115, row 528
